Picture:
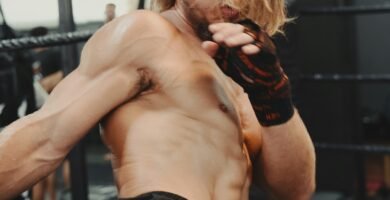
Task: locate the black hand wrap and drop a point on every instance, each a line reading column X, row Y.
column 261, row 76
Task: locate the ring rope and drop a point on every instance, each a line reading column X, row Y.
column 345, row 10
column 346, row 77
column 353, row 148
column 45, row 41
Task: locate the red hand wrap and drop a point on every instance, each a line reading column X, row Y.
column 261, row 76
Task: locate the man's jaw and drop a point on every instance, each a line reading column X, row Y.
column 225, row 14
column 229, row 14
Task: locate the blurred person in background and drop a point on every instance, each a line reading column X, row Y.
column 110, row 12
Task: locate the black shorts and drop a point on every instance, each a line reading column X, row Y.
column 156, row 196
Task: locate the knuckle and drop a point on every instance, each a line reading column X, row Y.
column 230, row 41
column 239, row 27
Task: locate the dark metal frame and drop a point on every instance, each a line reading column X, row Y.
column 78, row 169
column 141, row 4
column 336, row 78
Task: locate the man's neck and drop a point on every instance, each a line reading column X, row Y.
column 179, row 20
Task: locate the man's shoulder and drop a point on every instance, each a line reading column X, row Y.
column 144, row 16
column 132, row 26
column 143, row 21
column 130, row 34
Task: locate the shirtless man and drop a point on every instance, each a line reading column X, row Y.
column 177, row 126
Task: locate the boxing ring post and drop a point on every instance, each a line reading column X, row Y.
column 141, row 4
column 79, row 181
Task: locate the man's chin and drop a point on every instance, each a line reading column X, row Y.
column 229, row 14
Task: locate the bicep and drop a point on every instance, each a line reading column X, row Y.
column 81, row 100
column 33, row 146
column 107, row 76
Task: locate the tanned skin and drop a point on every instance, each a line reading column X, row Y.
column 173, row 120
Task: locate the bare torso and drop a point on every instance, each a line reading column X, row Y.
column 172, row 119
column 183, row 133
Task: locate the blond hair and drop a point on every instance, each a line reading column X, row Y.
column 269, row 14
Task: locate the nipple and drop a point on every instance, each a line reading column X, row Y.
column 223, row 107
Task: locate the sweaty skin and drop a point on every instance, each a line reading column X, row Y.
column 172, row 119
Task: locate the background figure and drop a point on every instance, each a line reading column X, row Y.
column 110, row 12
column 6, row 77
column 19, row 81
column 47, row 62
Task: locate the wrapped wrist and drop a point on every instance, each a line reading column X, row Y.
column 272, row 107
column 261, row 76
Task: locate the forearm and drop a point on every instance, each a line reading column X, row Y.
column 23, row 162
column 287, row 161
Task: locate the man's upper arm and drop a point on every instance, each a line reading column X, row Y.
column 107, row 76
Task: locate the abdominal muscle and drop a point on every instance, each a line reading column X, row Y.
column 172, row 151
